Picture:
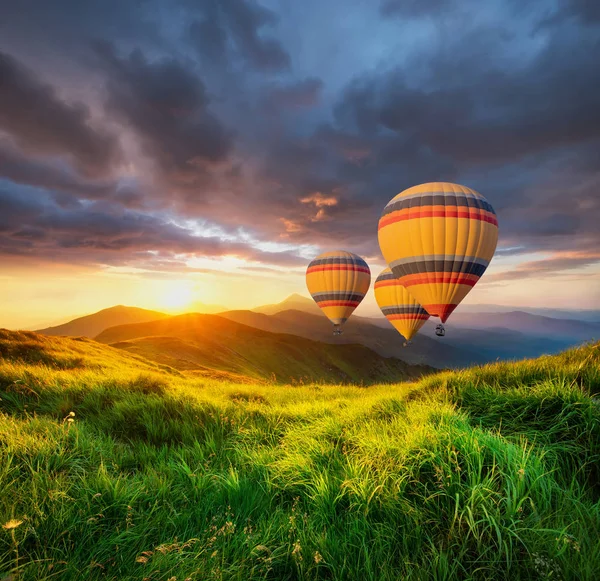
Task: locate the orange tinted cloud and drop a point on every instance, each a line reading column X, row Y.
column 291, row 226
column 319, row 200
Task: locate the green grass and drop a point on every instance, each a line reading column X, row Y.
column 486, row 473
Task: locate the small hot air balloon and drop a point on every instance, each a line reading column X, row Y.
column 338, row 282
column 399, row 307
column 438, row 239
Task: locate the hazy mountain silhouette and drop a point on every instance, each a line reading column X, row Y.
column 293, row 302
column 198, row 341
column 462, row 316
column 461, row 346
column 589, row 315
column 91, row 325
column 200, row 307
column 560, row 330
column 385, row 341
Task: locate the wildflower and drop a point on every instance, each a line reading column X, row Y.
column 297, row 551
column 12, row 524
column 318, row 557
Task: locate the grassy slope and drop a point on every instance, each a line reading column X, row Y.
column 488, row 473
column 195, row 341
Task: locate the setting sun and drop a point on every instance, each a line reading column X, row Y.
column 177, row 295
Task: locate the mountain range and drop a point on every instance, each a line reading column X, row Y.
column 293, row 339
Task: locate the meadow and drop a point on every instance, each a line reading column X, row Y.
column 114, row 467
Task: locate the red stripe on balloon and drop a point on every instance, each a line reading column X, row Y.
column 395, row 282
column 406, row 316
column 337, row 304
column 312, row 269
column 415, row 213
column 426, row 278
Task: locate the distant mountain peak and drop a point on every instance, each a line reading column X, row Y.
column 92, row 325
column 297, row 298
column 295, row 301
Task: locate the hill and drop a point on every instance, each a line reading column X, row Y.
column 200, row 307
column 492, row 343
column 472, row 337
column 425, row 349
column 293, row 302
column 91, row 325
column 529, row 324
column 115, row 468
column 589, row 315
column 198, row 341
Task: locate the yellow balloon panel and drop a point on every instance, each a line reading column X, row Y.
column 338, row 282
column 438, row 239
column 398, row 306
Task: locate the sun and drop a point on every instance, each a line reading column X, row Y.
column 177, row 296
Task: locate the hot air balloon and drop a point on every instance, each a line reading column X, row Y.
column 399, row 307
column 338, row 282
column 438, row 239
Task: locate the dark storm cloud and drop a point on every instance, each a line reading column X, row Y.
column 71, row 24
column 224, row 31
column 167, row 107
column 481, row 112
column 586, row 11
column 297, row 95
column 31, row 224
column 416, row 8
column 43, row 124
column 19, row 167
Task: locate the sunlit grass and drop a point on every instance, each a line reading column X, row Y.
column 115, row 468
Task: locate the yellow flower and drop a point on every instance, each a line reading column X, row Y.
column 12, row 524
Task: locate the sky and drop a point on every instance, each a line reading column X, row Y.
column 167, row 153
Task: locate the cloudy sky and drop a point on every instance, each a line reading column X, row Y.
column 161, row 152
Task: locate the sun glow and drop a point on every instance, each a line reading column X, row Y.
column 177, row 295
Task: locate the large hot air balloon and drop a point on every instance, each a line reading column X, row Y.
column 338, row 282
column 438, row 239
column 398, row 306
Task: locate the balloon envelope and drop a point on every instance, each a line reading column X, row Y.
column 438, row 239
column 338, row 282
column 399, row 307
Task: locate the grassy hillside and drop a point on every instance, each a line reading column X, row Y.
column 195, row 341
column 91, row 325
column 112, row 468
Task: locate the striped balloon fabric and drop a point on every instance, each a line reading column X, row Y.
column 399, row 307
column 338, row 282
column 438, row 238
